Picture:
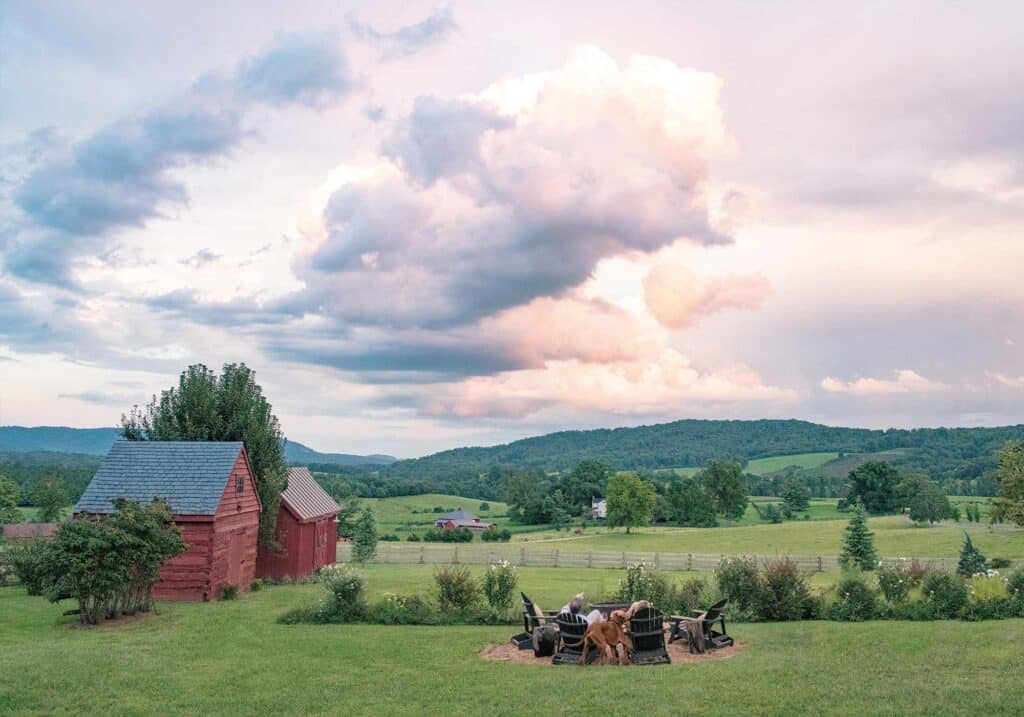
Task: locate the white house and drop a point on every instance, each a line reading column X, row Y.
column 599, row 508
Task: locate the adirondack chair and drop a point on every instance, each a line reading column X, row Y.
column 571, row 629
column 708, row 620
column 647, row 633
column 532, row 619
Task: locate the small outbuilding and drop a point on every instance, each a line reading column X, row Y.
column 209, row 488
column 461, row 519
column 306, row 531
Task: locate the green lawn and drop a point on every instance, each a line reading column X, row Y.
column 895, row 536
column 395, row 515
column 231, row 658
column 31, row 514
column 764, row 466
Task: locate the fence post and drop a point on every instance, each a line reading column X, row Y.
column 422, row 554
column 623, row 558
column 657, row 561
column 820, row 568
column 522, row 555
column 689, row 561
column 556, row 557
column 455, row 558
column 590, row 559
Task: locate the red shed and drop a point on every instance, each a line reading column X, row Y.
column 305, row 530
column 210, row 489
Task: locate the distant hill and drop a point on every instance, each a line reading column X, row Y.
column 97, row 441
column 942, row 452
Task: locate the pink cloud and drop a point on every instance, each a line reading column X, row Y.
column 679, row 299
column 904, row 381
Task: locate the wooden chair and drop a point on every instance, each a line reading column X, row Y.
column 647, row 633
column 707, row 621
column 534, row 616
column 571, row 629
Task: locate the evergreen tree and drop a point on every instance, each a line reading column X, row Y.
column 858, row 543
column 971, row 559
column 364, row 537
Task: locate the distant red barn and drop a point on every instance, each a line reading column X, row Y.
column 210, row 489
column 306, row 530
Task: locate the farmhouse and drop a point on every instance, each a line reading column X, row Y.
column 599, row 508
column 461, row 519
column 306, row 530
column 209, row 488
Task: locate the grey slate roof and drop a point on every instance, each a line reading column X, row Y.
column 459, row 514
column 304, row 496
column 190, row 475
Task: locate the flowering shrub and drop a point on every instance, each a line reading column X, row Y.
column 782, row 592
column 1015, row 584
column 643, row 583
column 499, row 585
column 402, row 610
column 343, row 600
column 988, row 586
column 456, row 589
column 894, row 582
column 855, row 600
column 945, row 595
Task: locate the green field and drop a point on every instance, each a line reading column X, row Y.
column 395, row 515
column 765, row 466
column 32, row 514
column 895, row 536
column 231, row 658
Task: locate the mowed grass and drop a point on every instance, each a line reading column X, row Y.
column 231, row 658
column 395, row 515
column 31, row 514
column 764, row 466
column 895, row 536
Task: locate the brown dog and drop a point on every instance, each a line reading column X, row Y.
column 610, row 639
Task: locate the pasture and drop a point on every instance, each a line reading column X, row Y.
column 774, row 464
column 895, row 536
column 416, row 514
column 231, row 658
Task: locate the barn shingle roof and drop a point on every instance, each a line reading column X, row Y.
column 459, row 514
column 190, row 475
column 305, row 498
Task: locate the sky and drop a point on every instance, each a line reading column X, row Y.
column 427, row 226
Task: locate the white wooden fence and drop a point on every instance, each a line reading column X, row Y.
column 546, row 557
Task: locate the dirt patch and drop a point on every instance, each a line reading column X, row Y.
column 677, row 651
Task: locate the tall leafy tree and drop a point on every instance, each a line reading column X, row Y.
column 723, row 480
column 926, row 500
column 875, row 485
column 795, row 494
column 858, row 543
column 9, row 493
column 630, row 501
column 690, row 505
column 50, row 498
column 1010, row 471
column 364, row 537
column 229, row 407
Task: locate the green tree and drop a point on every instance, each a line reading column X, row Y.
column 795, row 494
column 629, row 500
column 347, row 516
column 971, row 559
column 50, row 498
column 9, row 493
column 690, row 505
column 584, row 482
column 229, row 407
column 153, row 538
column 1010, row 472
column 875, row 485
column 723, row 480
column 926, row 500
column 858, row 543
column 364, row 537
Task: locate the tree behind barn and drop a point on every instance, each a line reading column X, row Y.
column 230, row 407
column 364, row 537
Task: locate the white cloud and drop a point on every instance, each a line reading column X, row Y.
column 904, row 381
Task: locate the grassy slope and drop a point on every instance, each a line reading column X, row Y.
column 894, row 536
column 394, row 515
column 230, row 658
column 764, row 466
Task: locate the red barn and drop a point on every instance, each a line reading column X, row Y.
column 305, row 530
column 209, row 488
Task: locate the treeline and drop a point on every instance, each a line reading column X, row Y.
column 31, row 471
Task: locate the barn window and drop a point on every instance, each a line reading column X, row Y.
column 240, row 484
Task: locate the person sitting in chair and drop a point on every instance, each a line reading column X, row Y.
column 576, row 605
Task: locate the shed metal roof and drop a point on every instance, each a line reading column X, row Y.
column 189, row 475
column 305, row 498
column 459, row 514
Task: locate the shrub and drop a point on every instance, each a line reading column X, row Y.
column 390, row 538
column 944, row 594
column 402, row 610
column 345, row 599
column 1000, row 563
column 855, row 600
column 894, row 583
column 413, row 538
column 773, row 514
column 456, row 589
column 737, row 580
column 496, row 536
column 1015, row 584
column 691, row 594
column 499, row 585
column 782, row 592
column 484, row 507
column 642, row 583
column 256, row 585
column 228, row 591
column 28, row 561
